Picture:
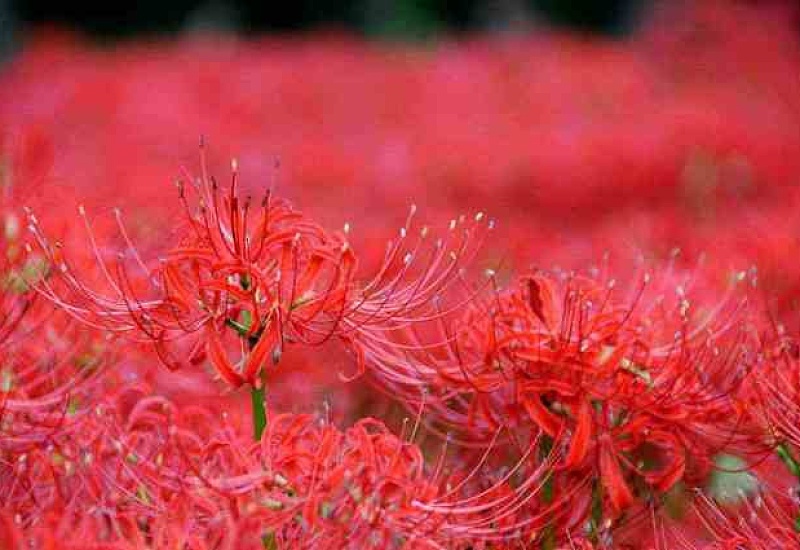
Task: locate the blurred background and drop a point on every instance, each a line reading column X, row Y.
column 614, row 123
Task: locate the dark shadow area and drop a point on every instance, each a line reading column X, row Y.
column 397, row 18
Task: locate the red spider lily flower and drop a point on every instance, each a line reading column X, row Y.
column 772, row 399
column 15, row 300
column 113, row 478
column 47, row 366
column 775, row 393
column 638, row 393
column 308, row 484
column 645, row 387
column 368, row 488
column 256, row 277
column 140, row 471
column 761, row 521
column 262, row 273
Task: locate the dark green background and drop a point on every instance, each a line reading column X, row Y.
column 393, row 18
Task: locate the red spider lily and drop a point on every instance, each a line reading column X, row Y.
column 263, row 276
column 141, row 471
column 47, row 367
column 759, row 522
column 368, row 488
column 637, row 392
column 775, row 393
column 15, row 301
column 264, row 271
column 113, row 478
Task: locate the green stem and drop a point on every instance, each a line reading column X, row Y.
column 240, row 328
column 257, row 395
column 268, row 541
column 548, row 535
column 259, row 411
column 794, row 468
column 597, row 513
column 791, row 462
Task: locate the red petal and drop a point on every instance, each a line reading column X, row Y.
column 619, row 494
column 547, row 421
column 219, row 359
column 581, row 436
column 542, row 299
column 266, row 344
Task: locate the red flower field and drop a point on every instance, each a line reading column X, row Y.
column 535, row 291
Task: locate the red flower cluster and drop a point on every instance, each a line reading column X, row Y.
column 637, row 386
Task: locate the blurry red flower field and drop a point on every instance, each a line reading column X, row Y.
column 526, row 291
